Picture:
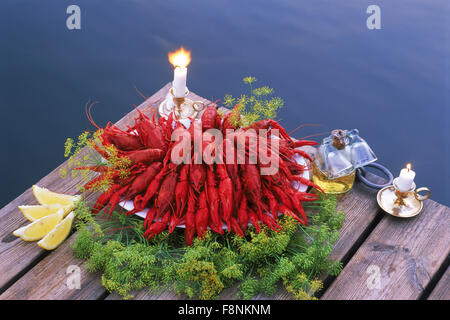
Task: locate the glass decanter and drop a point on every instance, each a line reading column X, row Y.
column 337, row 159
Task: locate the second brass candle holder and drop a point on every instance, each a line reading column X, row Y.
column 402, row 204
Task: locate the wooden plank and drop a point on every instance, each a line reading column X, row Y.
column 145, row 294
column 442, row 289
column 402, row 254
column 361, row 209
column 50, row 279
column 16, row 256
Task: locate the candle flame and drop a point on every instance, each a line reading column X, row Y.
column 408, row 166
column 180, row 58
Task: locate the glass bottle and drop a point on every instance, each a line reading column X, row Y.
column 337, row 159
column 332, row 168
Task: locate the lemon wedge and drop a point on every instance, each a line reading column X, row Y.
column 39, row 228
column 34, row 213
column 59, row 233
column 47, row 197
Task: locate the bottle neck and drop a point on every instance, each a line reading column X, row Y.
column 339, row 138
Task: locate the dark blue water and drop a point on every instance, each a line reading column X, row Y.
column 392, row 84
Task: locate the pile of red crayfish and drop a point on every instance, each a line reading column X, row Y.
column 201, row 195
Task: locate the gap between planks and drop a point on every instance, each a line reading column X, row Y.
column 439, row 286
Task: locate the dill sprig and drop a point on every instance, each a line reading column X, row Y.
column 83, row 153
column 259, row 104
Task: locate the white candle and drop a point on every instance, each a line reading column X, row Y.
column 406, row 179
column 179, row 81
column 180, row 59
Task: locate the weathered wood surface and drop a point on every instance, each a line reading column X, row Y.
column 50, row 279
column 403, row 254
column 29, row 272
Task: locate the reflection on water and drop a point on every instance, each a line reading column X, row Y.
column 318, row 55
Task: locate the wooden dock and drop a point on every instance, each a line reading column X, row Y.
column 384, row 257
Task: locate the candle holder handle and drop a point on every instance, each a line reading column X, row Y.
column 425, row 196
column 198, row 105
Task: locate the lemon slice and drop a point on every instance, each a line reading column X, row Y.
column 38, row 229
column 59, row 233
column 47, row 197
column 34, row 213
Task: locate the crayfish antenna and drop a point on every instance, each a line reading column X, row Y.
column 305, row 125
column 140, row 112
column 213, row 103
column 140, row 93
column 152, row 115
column 88, row 110
column 314, row 135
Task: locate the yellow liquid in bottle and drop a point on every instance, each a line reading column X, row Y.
column 333, row 186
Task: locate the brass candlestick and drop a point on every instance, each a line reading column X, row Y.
column 403, row 204
column 181, row 107
column 401, row 195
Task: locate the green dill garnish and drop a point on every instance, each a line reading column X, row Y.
column 260, row 104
